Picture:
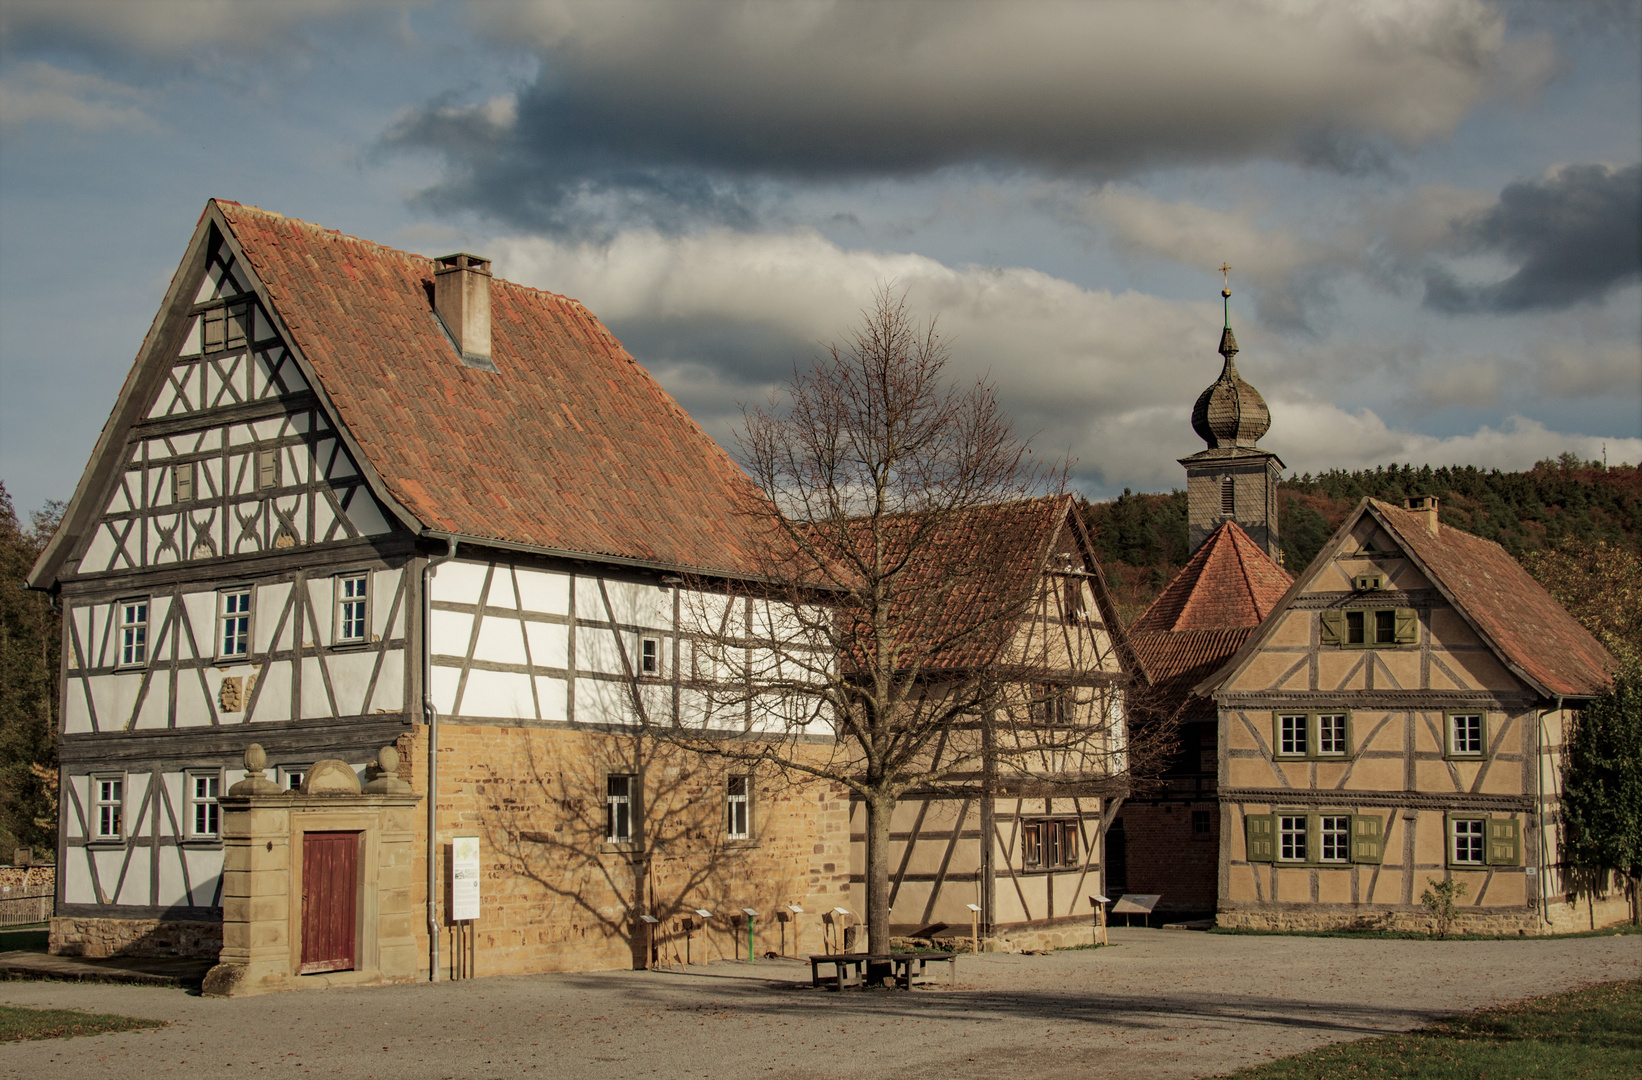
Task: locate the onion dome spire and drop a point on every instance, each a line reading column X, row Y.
column 1230, row 412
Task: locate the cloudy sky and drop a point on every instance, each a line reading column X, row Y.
column 1431, row 207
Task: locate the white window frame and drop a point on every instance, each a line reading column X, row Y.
column 1454, row 749
column 352, row 609
column 619, row 818
column 243, row 615
column 738, row 808
column 1332, row 728
column 1475, row 833
column 200, row 793
column 1292, row 729
column 108, row 808
column 1286, row 835
column 134, row 613
column 291, row 776
column 650, row 663
column 1334, row 838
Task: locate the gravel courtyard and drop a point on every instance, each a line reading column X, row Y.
column 1161, row 1004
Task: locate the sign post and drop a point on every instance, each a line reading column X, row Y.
column 752, row 917
column 464, row 898
column 975, row 926
column 1099, row 902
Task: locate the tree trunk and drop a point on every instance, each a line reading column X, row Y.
column 879, row 812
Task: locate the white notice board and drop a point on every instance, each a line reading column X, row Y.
column 464, row 878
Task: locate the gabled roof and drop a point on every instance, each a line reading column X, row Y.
column 1532, row 633
column 1204, row 616
column 1528, row 631
column 569, row 447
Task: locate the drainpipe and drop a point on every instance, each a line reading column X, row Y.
column 432, row 715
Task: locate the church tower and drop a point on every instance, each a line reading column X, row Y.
column 1232, row 480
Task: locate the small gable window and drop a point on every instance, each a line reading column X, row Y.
column 133, row 632
column 1367, row 628
column 226, row 327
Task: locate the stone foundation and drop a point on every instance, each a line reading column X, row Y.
column 99, row 937
column 1514, row 921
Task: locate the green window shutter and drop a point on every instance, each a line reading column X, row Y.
column 1261, row 831
column 1504, row 840
column 1408, row 626
column 1334, row 627
column 1367, row 838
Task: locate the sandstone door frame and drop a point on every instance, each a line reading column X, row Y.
column 367, row 825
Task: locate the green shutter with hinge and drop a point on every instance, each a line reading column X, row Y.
column 1261, row 832
column 1408, row 626
column 1504, row 837
column 1367, row 838
column 1333, row 627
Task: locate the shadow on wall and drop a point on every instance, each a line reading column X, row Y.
column 182, row 938
column 628, row 827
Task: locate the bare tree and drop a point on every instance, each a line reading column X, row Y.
column 901, row 633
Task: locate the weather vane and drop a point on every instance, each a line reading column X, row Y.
column 1225, row 290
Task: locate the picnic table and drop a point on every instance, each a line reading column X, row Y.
column 904, row 968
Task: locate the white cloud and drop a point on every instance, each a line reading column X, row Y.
column 36, row 92
column 1108, row 378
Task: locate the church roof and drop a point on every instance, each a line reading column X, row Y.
column 1204, row 616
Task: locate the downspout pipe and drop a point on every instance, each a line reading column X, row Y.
column 432, row 716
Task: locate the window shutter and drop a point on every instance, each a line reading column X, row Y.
column 1334, row 627
column 1261, row 832
column 1504, row 838
column 267, row 468
column 1367, row 838
column 1408, row 626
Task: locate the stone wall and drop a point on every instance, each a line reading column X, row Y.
column 99, row 937
column 1523, row 921
column 557, row 897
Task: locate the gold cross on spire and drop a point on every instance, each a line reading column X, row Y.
column 1225, row 279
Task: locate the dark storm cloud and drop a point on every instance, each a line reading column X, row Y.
column 1575, row 236
column 651, row 112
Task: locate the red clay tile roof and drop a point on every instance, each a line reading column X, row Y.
column 1203, row 617
column 571, row 446
column 1229, row 581
column 1526, row 625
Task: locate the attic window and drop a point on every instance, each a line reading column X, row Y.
column 226, row 327
column 1228, row 495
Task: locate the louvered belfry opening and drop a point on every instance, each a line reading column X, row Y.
column 461, row 295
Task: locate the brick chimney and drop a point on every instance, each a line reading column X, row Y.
column 1424, row 506
column 461, row 295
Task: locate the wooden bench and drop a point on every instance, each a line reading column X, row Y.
column 842, row 964
column 910, row 966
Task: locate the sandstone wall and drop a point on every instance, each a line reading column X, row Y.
column 99, row 937
column 557, row 897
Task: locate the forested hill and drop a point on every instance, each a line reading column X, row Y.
column 1141, row 539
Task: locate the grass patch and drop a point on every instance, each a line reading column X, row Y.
column 17, row 1023
column 1588, row 1033
column 1416, row 935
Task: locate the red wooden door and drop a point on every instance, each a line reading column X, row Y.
column 330, row 889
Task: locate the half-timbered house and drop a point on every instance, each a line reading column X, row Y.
column 352, row 498
column 1397, row 721
column 1020, row 836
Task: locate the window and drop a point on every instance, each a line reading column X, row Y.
column 107, row 801
column 1049, row 844
column 1465, row 841
column 1291, row 740
column 290, row 776
column 234, row 623
column 618, row 809
column 1201, row 823
column 133, row 632
column 1291, row 837
column 1312, row 735
column 1370, row 627
column 1335, row 832
column 1341, row 838
column 267, row 468
column 1228, row 496
column 1051, row 704
column 649, row 656
column 225, row 327
column 202, row 805
column 1465, row 735
column 182, row 482
column 353, row 609
column 1331, row 734
column 736, row 826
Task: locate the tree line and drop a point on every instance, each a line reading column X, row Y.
column 30, row 666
